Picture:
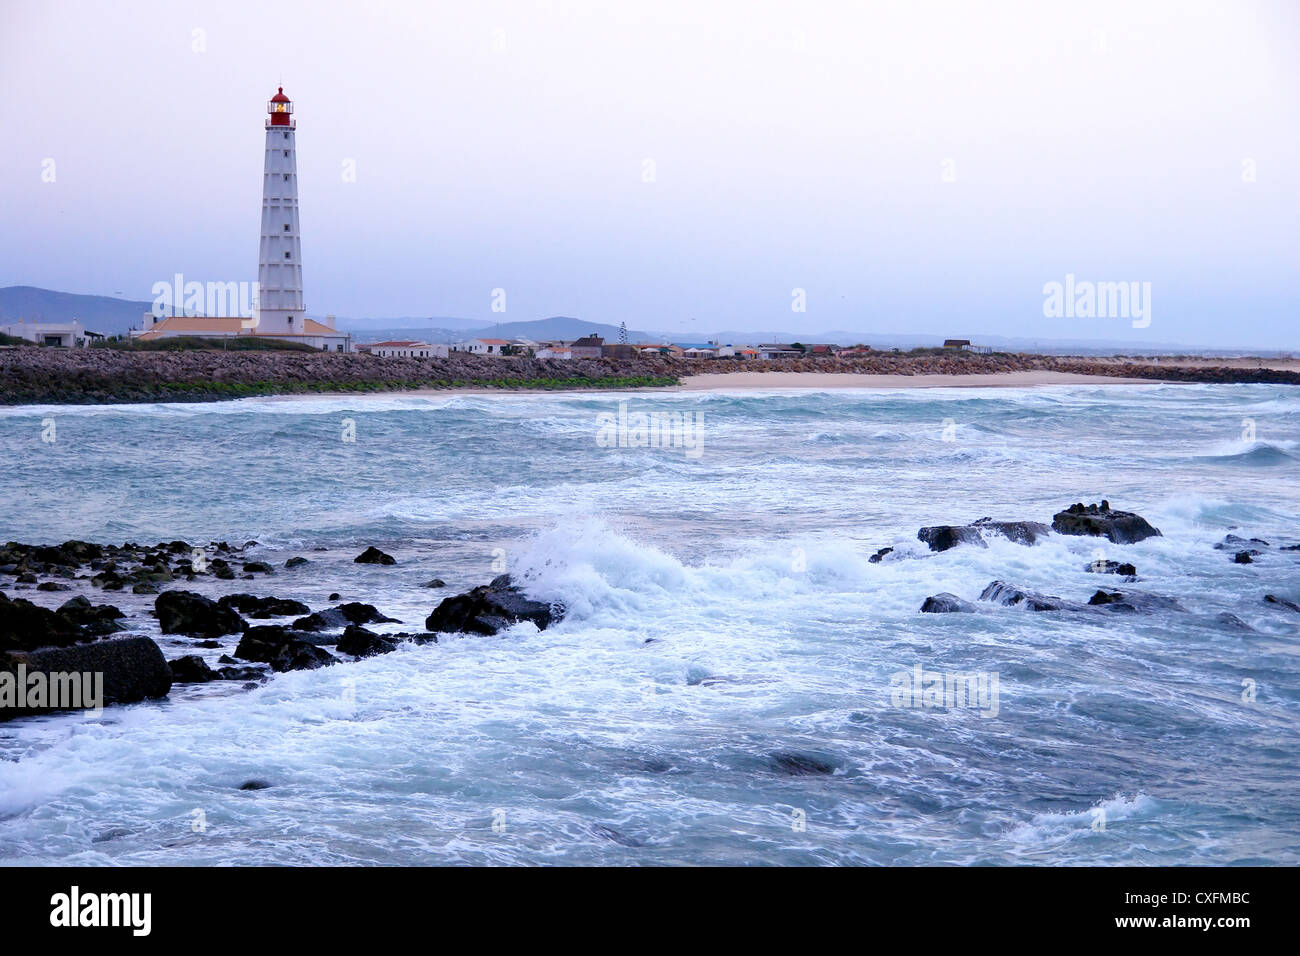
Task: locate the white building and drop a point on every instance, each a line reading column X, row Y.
column 408, row 350
column 481, row 346
column 280, row 313
column 66, row 334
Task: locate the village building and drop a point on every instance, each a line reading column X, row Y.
column 407, row 349
column 589, row 346
column 482, row 346
column 63, row 334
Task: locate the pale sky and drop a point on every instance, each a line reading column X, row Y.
column 793, row 145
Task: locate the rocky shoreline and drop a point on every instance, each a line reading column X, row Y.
column 259, row 635
column 99, row 376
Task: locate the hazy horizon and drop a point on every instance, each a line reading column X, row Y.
column 912, row 168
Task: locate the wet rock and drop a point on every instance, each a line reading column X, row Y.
column 1120, row 527
column 795, row 764
column 184, row 612
column 95, row 620
column 360, row 642
column 490, row 608
column 144, row 589
column 1008, row 595
column 1232, row 621
column 332, row 618
column 1234, row 543
column 945, row 536
column 1133, row 602
column 1244, row 557
column 261, row 608
column 945, row 603
column 25, row 626
column 280, row 649
column 133, row 668
column 435, row 583
column 1281, row 602
column 52, row 586
column 1126, row 571
column 373, row 555
column 334, row 596
column 238, row 672
column 254, row 785
column 191, row 669
column 1021, row 532
column 880, row 555
column 296, row 562
column 257, row 567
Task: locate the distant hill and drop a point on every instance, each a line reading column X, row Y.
column 99, row 313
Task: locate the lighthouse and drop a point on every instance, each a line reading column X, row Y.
column 277, row 312
column 279, row 263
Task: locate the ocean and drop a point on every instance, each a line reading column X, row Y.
column 725, row 686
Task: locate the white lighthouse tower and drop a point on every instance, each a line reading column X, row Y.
column 279, row 264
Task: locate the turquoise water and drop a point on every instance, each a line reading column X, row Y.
column 723, row 612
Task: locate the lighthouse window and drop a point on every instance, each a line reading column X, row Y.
column 286, row 135
column 286, row 227
column 286, row 152
column 286, row 255
column 286, row 177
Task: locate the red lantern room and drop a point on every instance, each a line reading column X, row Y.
column 281, row 110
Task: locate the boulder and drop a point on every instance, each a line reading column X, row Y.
column 435, row 583
column 1244, row 557
column 263, row 607
column 880, row 555
column 944, row 536
column 296, row 562
column 1133, row 602
column 490, row 608
column 1021, row 532
column 133, row 668
column 945, row 603
column 332, row 618
column 257, row 567
column 1008, row 595
column 191, row 669
column 1100, row 521
column 1127, row 571
column 184, row 612
column 25, row 626
column 373, row 555
column 1281, row 602
column 360, row 642
column 1232, row 542
column 280, row 649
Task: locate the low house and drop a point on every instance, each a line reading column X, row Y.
column 699, row 351
column 956, row 343
column 619, row 351
column 589, row 346
column 405, row 349
column 482, row 346
column 654, row 348
column 319, row 335
column 779, row 351
column 553, row 352
column 63, row 334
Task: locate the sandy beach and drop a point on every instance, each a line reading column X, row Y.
column 824, row 380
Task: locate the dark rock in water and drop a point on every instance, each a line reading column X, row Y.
column 944, row 603
column 238, row 673
column 1232, row 621
column 27, row 577
column 359, row 642
column 1133, row 601
column 795, row 764
column 334, row 596
column 373, row 555
column 133, row 668
column 184, row 612
column 296, row 562
column 331, row 618
column 944, row 536
column 999, row 592
column 25, row 626
column 52, row 586
column 490, row 608
column 1281, row 602
column 209, row 644
column 1244, row 557
column 436, row 583
column 1021, row 532
column 263, row 607
column 284, row 652
column 615, row 836
column 1234, row 543
column 144, row 589
column 879, row 555
column 1127, row 571
column 191, row 669
column 254, row 785
column 224, row 572
column 258, row 567
column 1121, row 527
column 95, row 620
